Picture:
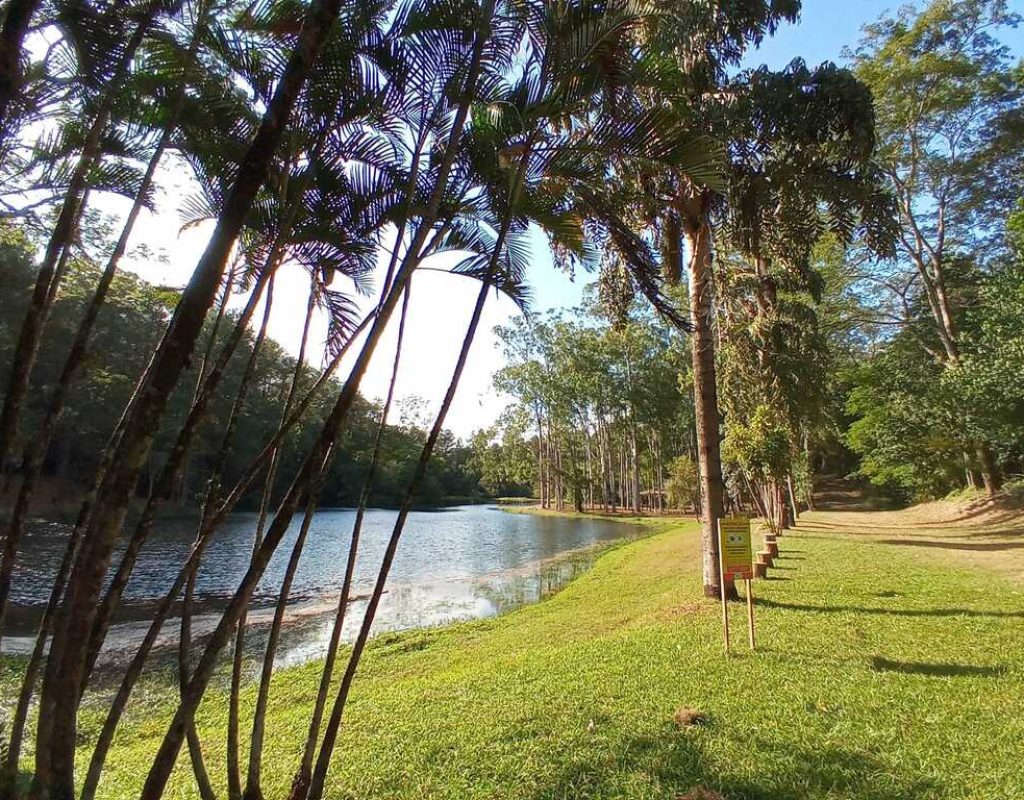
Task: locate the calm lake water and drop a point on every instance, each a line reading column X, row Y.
column 453, row 564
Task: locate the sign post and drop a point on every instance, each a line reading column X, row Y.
column 734, row 559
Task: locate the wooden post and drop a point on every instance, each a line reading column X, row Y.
column 721, row 585
column 750, row 610
column 725, row 616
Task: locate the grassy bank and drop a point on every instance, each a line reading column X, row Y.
column 886, row 669
column 655, row 522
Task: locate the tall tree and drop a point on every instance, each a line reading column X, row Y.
column 693, row 54
column 948, row 97
column 56, row 737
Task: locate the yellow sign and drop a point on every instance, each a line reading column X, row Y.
column 734, row 547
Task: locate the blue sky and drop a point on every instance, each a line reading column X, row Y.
column 824, row 29
column 441, row 303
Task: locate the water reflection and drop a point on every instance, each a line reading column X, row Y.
column 460, row 563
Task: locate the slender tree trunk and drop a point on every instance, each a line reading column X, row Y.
column 48, row 278
column 32, row 461
column 17, row 16
column 635, row 472
column 990, row 474
column 319, row 778
column 195, row 746
column 234, row 779
column 698, row 237
column 57, row 729
column 253, row 772
column 8, row 781
column 134, row 671
column 168, row 750
column 253, row 791
column 174, row 467
column 300, row 783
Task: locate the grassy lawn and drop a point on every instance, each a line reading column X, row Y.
column 884, row 670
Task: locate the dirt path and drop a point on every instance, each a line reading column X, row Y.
column 979, row 534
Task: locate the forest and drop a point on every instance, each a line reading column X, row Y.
column 127, row 329
column 794, row 274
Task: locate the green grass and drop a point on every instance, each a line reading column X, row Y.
column 656, row 522
column 879, row 674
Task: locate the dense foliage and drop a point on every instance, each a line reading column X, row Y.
column 128, row 328
column 602, row 408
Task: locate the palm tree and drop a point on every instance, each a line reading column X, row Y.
column 32, row 459
column 524, row 164
column 17, row 17
column 97, row 36
column 692, row 55
column 56, row 732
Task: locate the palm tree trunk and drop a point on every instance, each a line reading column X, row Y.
column 168, row 750
column 49, row 277
column 300, row 783
column 134, row 671
column 195, row 745
column 32, row 460
column 173, row 468
column 8, row 780
column 234, row 777
column 57, row 729
column 253, row 790
column 319, row 777
column 17, row 16
column 698, row 236
column 233, row 761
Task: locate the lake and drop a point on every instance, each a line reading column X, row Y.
column 452, row 564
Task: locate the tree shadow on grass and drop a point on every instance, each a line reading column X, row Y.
column 670, row 763
column 936, row 670
column 895, row 612
column 976, row 546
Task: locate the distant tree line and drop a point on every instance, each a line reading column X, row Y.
column 128, row 328
column 600, row 410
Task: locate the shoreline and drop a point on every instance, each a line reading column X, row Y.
column 509, row 589
column 576, row 695
column 626, row 516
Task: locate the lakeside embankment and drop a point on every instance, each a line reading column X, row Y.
column 885, row 646
column 457, row 564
